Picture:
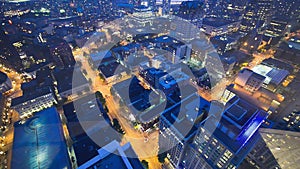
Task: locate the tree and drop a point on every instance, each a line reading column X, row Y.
column 161, row 156
column 79, row 63
column 145, row 164
column 117, row 126
column 101, row 77
column 84, row 71
column 90, row 81
column 100, row 97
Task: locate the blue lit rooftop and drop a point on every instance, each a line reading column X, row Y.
column 240, row 121
column 40, row 143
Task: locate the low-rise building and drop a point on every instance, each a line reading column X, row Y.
column 273, row 76
column 111, row 69
column 30, row 103
column 172, row 81
column 89, row 128
column 113, row 155
column 39, row 142
column 140, row 104
column 70, row 83
column 217, row 26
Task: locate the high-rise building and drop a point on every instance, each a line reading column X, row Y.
column 229, row 139
column 166, row 6
column 177, row 128
column 275, row 149
column 276, row 28
column 230, row 10
column 142, row 16
column 107, row 6
column 192, row 11
column 286, row 9
column 258, row 13
column 148, row 3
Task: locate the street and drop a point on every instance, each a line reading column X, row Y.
column 146, row 150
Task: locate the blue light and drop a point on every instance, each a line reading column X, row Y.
column 249, row 132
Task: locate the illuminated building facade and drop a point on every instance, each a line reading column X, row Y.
column 142, row 16
column 177, row 129
column 258, row 13
column 275, row 149
column 217, row 26
column 8, row 54
column 249, row 80
column 166, row 7
column 232, row 139
column 276, row 28
column 286, row 10
column 28, row 104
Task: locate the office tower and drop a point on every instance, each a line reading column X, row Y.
column 258, row 13
column 142, row 16
column 285, row 9
column 191, row 10
column 152, row 4
column 275, row 149
column 166, row 6
column 107, row 6
column 229, row 10
column 148, row 3
column 177, row 128
column 229, row 139
column 277, row 27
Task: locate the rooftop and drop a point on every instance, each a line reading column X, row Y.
column 40, row 143
column 114, row 156
column 112, row 68
column 245, row 74
column 145, row 104
column 275, row 63
column 173, row 78
column 69, row 78
column 30, row 96
column 87, row 123
column 273, row 75
column 80, row 138
column 239, row 122
column 216, row 22
column 183, row 115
